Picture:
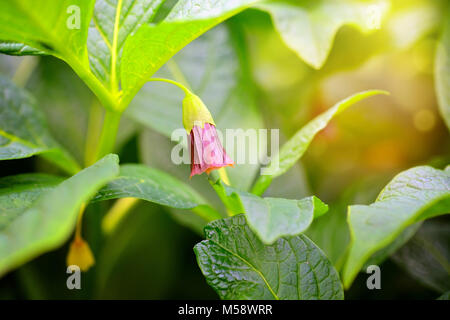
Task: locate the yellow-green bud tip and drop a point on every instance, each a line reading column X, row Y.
column 80, row 254
column 195, row 112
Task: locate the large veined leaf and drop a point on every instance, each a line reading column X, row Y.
column 113, row 22
column 412, row 196
column 27, row 233
column 309, row 27
column 153, row 45
column 211, row 67
column 23, row 130
column 142, row 182
column 239, row 266
column 120, row 29
column 442, row 73
column 272, row 218
column 296, row 146
column 57, row 27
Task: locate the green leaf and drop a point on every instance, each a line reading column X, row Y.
column 296, row 146
column 114, row 21
column 19, row 49
column 272, row 218
column 239, row 266
column 142, row 182
column 331, row 234
column 309, row 28
column 442, row 73
column 153, row 45
column 23, row 131
column 49, row 25
column 50, row 219
column 18, row 193
column 412, row 196
column 59, row 28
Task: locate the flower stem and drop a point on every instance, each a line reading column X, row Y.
column 224, row 176
column 79, row 222
column 179, row 85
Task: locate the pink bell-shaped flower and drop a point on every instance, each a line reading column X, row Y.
column 207, row 152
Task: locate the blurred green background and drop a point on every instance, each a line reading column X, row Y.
column 150, row 255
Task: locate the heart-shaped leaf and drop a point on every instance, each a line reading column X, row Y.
column 26, row 232
column 23, row 130
column 239, row 266
column 412, row 196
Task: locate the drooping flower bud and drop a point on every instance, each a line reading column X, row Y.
column 207, row 152
column 195, row 112
column 80, row 254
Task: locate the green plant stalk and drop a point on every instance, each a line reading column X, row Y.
column 207, row 213
column 93, row 132
column 261, row 185
column 178, row 84
column 109, row 133
column 106, row 98
column 213, row 178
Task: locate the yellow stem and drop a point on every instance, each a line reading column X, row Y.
column 224, row 176
column 179, row 85
column 24, row 70
column 79, row 222
column 116, row 214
